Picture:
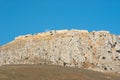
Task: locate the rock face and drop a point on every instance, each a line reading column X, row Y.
column 77, row 48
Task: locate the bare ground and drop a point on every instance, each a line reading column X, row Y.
column 50, row 72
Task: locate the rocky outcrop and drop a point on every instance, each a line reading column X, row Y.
column 76, row 48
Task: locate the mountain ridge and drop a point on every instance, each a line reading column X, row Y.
column 97, row 50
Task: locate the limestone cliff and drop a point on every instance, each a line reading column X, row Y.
column 77, row 48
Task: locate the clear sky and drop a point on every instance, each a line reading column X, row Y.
column 19, row 17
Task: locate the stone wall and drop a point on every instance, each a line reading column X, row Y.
column 76, row 48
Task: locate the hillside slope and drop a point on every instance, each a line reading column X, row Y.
column 76, row 48
column 51, row 72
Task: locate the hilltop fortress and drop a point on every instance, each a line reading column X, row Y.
column 97, row 50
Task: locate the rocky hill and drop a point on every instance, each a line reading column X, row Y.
column 76, row 48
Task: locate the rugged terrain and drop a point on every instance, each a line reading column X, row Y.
column 75, row 48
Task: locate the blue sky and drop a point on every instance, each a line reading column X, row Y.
column 18, row 17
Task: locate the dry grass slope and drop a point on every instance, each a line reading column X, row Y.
column 51, row 72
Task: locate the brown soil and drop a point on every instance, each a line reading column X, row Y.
column 49, row 72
